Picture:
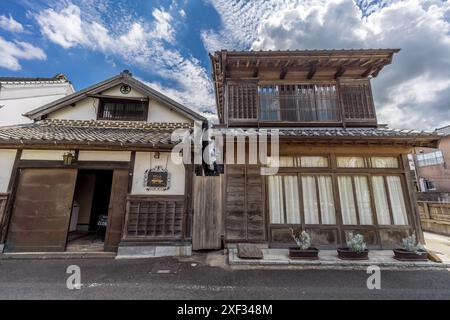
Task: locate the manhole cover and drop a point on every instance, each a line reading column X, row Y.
column 165, row 268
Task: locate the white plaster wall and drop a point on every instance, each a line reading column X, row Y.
column 15, row 100
column 7, row 157
column 158, row 112
column 115, row 91
column 104, row 155
column 85, row 109
column 43, row 154
column 142, row 163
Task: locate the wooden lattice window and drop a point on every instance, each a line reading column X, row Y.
column 127, row 110
column 357, row 100
column 299, row 102
column 242, row 101
column 152, row 217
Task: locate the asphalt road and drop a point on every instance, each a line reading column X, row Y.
column 170, row 279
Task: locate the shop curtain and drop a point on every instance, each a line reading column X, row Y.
column 292, row 199
column 276, row 199
column 310, row 200
column 348, row 208
column 397, row 200
column 381, row 204
column 363, row 199
column 327, row 208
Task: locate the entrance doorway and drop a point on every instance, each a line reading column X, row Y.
column 89, row 216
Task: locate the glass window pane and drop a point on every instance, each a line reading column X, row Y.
column 326, row 200
column 292, row 199
column 310, row 200
column 363, row 199
column 276, row 199
column 397, row 200
column 384, row 162
column 283, row 161
column 348, row 207
column 350, row 162
column 381, row 202
column 313, row 162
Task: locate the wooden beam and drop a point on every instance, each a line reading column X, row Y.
column 283, row 73
column 255, row 72
column 312, row 71
column 368, row 72
column 340, row 72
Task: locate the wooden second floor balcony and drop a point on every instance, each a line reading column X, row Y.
column 297, row 88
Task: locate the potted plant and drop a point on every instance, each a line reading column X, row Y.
column 356, row 248
column 303, row 249
column 411, row 250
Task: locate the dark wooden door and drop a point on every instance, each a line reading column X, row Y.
column 207, row 224
column 117, row 207
column 41, row 212
column 244, row 204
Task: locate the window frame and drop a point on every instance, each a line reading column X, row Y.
column 103, row 101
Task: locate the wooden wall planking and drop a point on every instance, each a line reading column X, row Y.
column 207, row 221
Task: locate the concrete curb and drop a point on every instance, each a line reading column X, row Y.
column 280, row 260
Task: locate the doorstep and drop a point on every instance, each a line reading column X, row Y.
column 328, row 259
column 57, row 255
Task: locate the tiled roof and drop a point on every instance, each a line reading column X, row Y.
column 341, row 133
column 90, row 132
column 57, row 78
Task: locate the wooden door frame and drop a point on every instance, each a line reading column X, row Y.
column 48, row 164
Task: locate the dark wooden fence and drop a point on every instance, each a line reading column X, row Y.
column 434, row 210
column 155, row 217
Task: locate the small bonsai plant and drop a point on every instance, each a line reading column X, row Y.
column 356, row 242
column 356, row 248
column 411, row 250
column 303, row 239
column 303, row 249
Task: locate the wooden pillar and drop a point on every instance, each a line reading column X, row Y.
column 13, row 180
column 413, row 212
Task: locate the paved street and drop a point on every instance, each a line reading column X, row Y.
column 167, row 278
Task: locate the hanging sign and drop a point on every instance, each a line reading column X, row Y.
column 157, row 178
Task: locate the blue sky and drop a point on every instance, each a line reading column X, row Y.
column 166, row 43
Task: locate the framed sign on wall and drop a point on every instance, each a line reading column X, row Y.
column 157, row 178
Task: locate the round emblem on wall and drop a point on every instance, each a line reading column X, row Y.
column 125, row 89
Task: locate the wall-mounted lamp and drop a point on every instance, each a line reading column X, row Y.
column 156, row 155
column 68, row 158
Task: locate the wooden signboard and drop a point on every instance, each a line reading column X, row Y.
column 157, row 178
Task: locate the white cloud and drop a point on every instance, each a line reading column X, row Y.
column 146, row 45
column 9, row 24
column 163, row 25
column 413, row 92
column 11, row 52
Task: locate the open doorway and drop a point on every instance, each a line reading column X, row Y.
column 90, row 208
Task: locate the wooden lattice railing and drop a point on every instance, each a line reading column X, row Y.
column 434, row 210
column 3, row 201
column 155, row 217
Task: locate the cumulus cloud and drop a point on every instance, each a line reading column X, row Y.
column 148, row 45
column 10, row 24
column 11, row 52
column 414, row 92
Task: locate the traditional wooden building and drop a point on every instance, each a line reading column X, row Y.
column 340, row 171
column 93, row 172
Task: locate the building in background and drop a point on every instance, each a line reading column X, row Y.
column 19, row 95
column 432, row 165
